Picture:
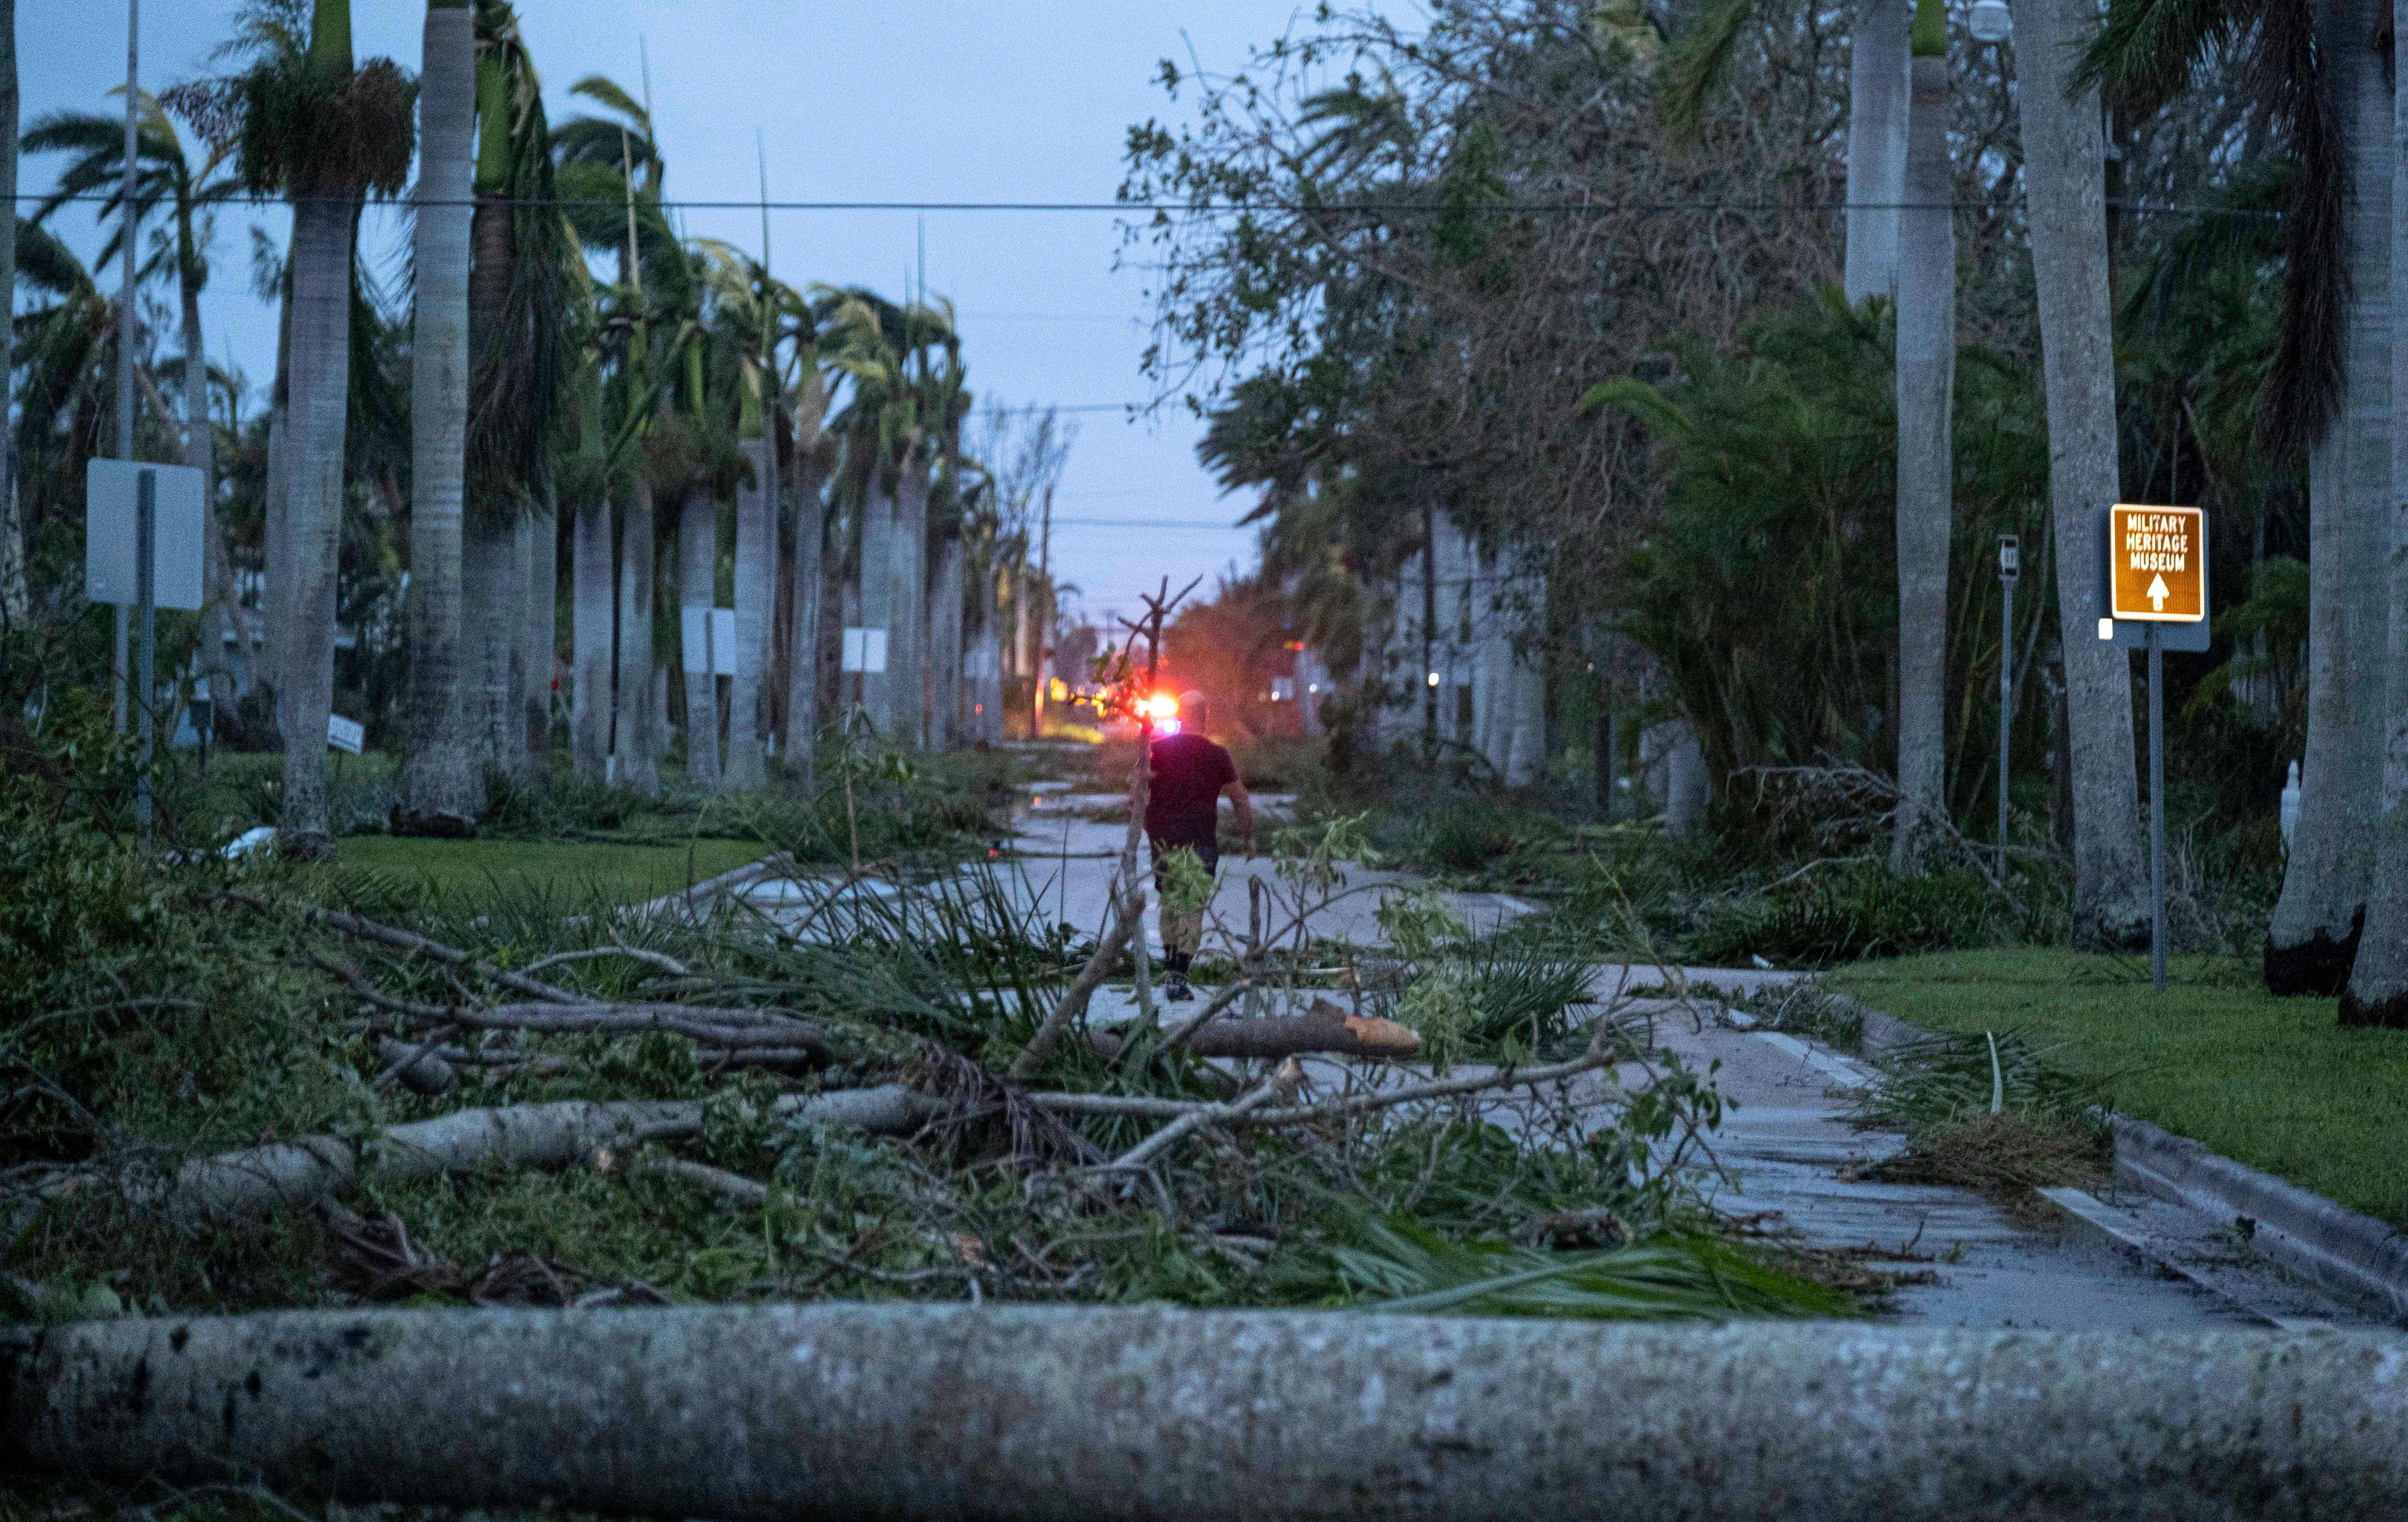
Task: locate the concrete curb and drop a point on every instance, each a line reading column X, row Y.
column 2339, row 1249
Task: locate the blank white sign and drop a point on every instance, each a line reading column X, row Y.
column 864, row 650
column 342, row 733
column 109, row 534
column 720, row 632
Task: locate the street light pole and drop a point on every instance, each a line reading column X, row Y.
column 2009, row 557
column 128, row 221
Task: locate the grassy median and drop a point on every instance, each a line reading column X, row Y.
column 578, row 871
column 2272, row 1083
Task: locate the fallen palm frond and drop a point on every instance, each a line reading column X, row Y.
column 1398, row 1268
column 1986, row 1112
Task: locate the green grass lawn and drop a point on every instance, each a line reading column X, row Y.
column 2272, row 1083
column 617, row 872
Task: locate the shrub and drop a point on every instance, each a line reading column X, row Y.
column 1847, row 916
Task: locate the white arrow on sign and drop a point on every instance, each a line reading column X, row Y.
column 2158, row 595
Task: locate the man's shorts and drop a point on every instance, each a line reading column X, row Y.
column 1208, row 854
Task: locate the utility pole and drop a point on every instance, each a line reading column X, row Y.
column 771, row 388
column 129, row 221
column 1045, row 625
column 1429, row 628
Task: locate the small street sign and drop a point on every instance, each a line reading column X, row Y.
column 2157, row 565
column 109, row 572
column 343, row 734
column 709, row 637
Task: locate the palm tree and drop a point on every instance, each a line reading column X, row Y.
column 164, row 175
column 308, row 125
column 442, row 788
column 2064, row 186
column 814, row 446
column 698, row 576
column 586, row 484
column 1927, row 372
column 12, row 538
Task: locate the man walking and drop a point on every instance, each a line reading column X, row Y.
column 1182, row 812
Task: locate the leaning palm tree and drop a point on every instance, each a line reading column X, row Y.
column 441, row 788
column 165, row 177
column 307, row 124
column 1927, row 383
column 2065, row 185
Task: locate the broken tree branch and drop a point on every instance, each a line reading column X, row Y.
column 1280, row 1085
column 1127, row 907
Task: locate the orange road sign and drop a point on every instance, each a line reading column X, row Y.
column 2157, row 564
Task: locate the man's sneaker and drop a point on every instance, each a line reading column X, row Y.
column 1175, row 990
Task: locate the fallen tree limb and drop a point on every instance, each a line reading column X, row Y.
column 1280, row 1085
column 894, row 1411
column 1129, row 910
column 302, row 1172
column 1439, row 1088
column 435, row 950
column 1326, row 1028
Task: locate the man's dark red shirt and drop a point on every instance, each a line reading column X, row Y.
column 1183, row 800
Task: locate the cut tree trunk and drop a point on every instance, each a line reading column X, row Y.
column 590, row 638
column 442, row 785
column 2065, row 180
column 777, row 1412
column 697, row 595
column 2313, row 938
column 1877, row 94
column 1325, row 1028
column 1927, row 376
column 322, row 228
column 756, row 564
column 637, row 726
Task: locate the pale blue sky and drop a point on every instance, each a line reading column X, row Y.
column 905, row 100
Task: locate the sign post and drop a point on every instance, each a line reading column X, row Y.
column 2009, row 558
column 2156, row 587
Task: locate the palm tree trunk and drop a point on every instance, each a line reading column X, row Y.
column 945, row 639
column 757, row 562
column 2313, row 936
column 200, row 452
column 698, row 576
column 909, row 544
column 539, row 637
column 1927, row 376
column 324, row 227
column 2378, row 994
column 881, row 599
column 494, row 581
column 2065, row 182
column 441, row 789
column 275, row 616
column 803, row 664
column 637, row 723
column 1877, row 101
column 590, row 635
column 12, row 537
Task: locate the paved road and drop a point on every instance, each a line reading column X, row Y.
column 1785, row 1152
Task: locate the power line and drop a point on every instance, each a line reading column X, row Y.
column 1228, row 208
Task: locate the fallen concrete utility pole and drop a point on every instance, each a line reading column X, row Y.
column 890, row 1411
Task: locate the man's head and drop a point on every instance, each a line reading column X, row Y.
column 1193, row 714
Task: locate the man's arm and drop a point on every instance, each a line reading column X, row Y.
column 1240, row 800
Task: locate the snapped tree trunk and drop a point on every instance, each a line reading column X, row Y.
column 697, row 596
column 2378, row 994
column 757, row 564
column 775, row 1411
column 590, row 638
column 638, row 726
column 441, row 789
column 1877, row 98
column 323, row 229
column 1927, row 375
column 2065, row 183
column 2313, row 936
